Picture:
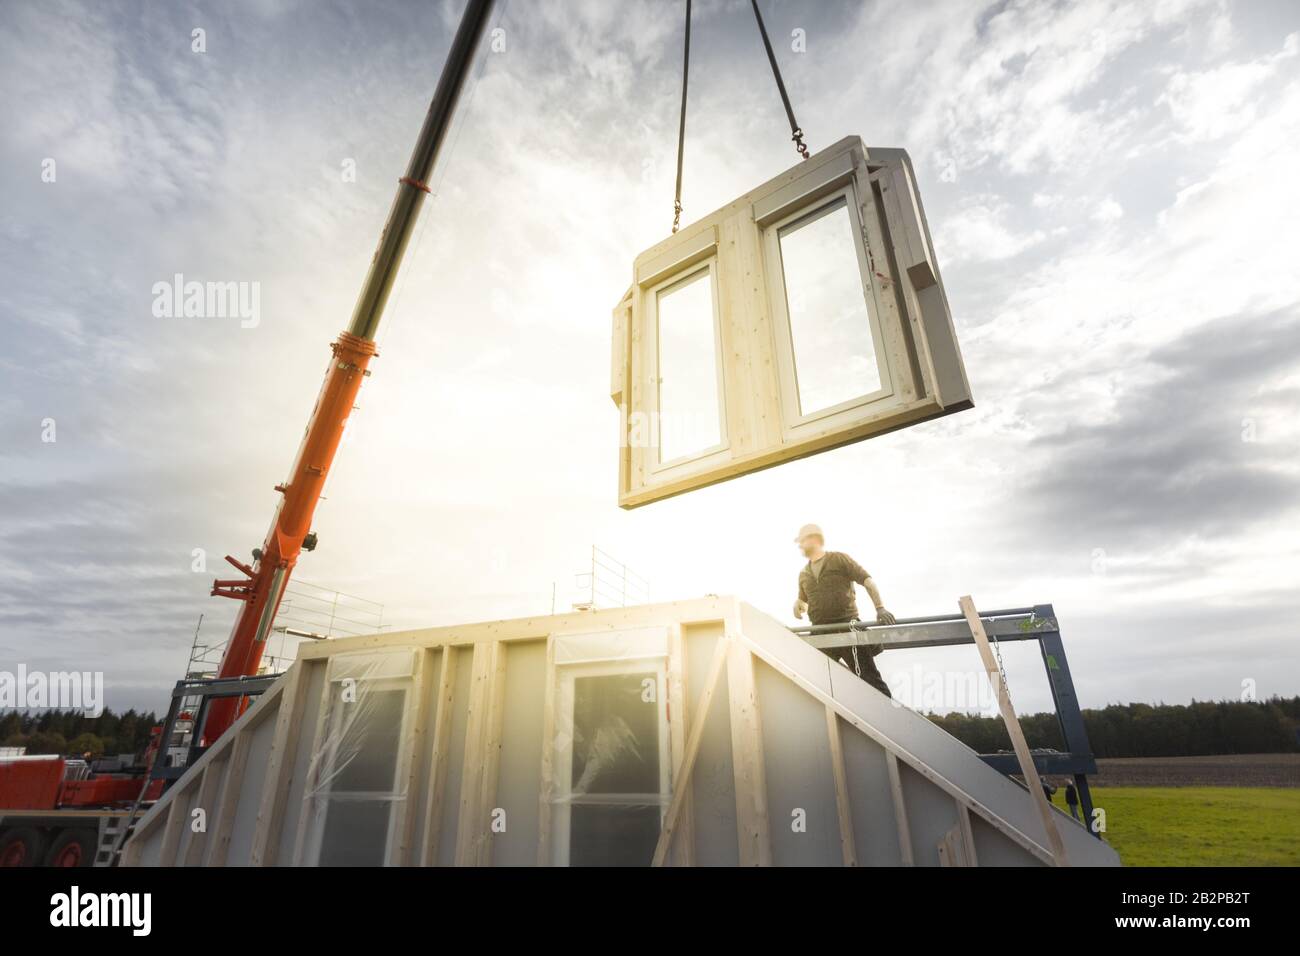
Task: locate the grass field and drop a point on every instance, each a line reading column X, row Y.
column 1202, row 826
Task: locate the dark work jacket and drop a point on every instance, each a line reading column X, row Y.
column 829, row 595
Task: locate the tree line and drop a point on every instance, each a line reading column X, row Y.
column 71, row 732
column 1119, row 730
column 1151, row 730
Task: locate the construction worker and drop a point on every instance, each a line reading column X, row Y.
column 826, row 595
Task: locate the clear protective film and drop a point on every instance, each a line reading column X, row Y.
column 355, row 781
column 611, row 756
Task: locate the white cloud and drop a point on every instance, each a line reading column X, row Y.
column 978, row 232
column 1108, row 210
column 1210, row 104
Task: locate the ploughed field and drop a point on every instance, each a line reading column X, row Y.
column 1230, row 770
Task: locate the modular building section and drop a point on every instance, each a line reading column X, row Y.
column 698, row 732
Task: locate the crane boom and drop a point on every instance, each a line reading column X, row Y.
column 262, row 586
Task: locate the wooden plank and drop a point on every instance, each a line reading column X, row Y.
column 967, row 834
column 172, row 833
column 752, row 825
column 208, row 789
column 418, row 758
column 492, row 751
column 692, row 611
column 229, row 799
column 678, row 729
column 951, row 850
column 1017, row 733
column 681, row 783
column 438, row 766
column 469, row 824
column 900, row 810
column 275, row 788
column 307, row 816
column 546, row 792
column 843, row 807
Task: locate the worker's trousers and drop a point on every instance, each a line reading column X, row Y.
column 861, row 662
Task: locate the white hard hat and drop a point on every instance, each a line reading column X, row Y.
column 807, row 530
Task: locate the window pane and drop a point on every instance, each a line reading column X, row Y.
column 364, row 762
column 688, row 369
column 613, row 836
column 356, row 833
column 367, row 756
column 830, row 330
column 615, row 735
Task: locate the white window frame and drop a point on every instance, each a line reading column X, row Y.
column 564, row 800
column 793, row 417
column 331, row 719
column 701, row 458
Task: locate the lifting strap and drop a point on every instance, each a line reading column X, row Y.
column 681, row 126
column 795, row 131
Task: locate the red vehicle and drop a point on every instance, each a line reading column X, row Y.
column 58, row 811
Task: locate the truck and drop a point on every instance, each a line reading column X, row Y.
column 69, row 811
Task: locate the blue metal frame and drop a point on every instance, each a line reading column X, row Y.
column 1037, row 623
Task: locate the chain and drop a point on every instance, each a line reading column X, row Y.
column 1002, row 669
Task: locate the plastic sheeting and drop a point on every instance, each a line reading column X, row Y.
column 611, row 753
column 354, row 778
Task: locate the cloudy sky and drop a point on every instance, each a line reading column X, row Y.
column 1113, row 194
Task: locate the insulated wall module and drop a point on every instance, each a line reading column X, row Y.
column 805, row 315
column 691, row 733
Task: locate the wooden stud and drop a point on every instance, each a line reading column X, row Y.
column 752, row 825
column 470, row 829
column 418, row 758
column 546, row 790
column 307, row 814
column 172, row 832
column 900, row 810
column 967, row 834
column 843, row 807
column 682, row 783
column 279, row 767
column 952, row 852
column 679, row 728
column 1016, row 732
column 492, row 751
column 438, row 759
column 209, row 786
column 229, row 797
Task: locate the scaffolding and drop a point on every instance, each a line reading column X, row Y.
column 607, row 583
column 307, row 612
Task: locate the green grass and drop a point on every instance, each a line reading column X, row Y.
column 1202, row 826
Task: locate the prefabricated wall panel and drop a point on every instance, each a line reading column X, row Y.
column 893, row 335
column 691, row 733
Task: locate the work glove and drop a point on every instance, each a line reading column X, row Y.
column 799, row 608
column 884, row 617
